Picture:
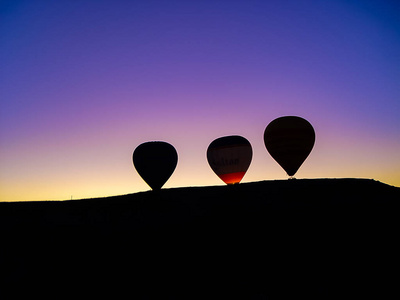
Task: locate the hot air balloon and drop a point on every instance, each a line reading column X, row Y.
column 289, row 140
column 230, row 157
column 155, row 162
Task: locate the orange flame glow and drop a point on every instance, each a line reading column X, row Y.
column 232, row 178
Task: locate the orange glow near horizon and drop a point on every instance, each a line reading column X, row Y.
column 80, row 91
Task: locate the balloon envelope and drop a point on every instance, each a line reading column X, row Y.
column 155, row 162
column 230, row 157
column 289, row 140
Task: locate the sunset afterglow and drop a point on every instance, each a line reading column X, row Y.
column 83, row 83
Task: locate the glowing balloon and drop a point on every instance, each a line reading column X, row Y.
column 289, row 140
column 155, row 162
column 230, row 157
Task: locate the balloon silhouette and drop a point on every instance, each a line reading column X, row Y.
column 155, row 162
column 289, row 140
column 230, row 157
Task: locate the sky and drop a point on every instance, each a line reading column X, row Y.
column 83, row 83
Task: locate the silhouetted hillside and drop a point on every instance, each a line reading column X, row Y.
column 316, row 238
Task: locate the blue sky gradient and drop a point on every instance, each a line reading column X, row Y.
column 82, row 83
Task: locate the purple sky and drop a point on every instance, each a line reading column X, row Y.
column 82, row 83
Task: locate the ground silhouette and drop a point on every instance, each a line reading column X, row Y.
column 317, row 238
